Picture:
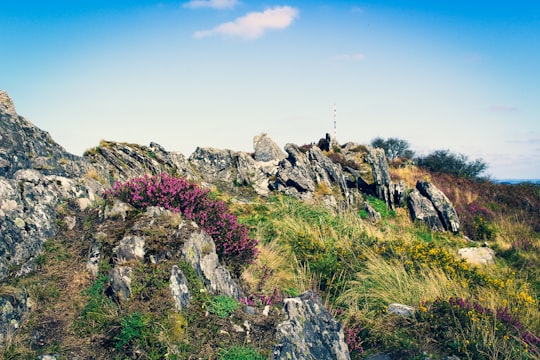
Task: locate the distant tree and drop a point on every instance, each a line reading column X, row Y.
column 394, row 148
column 447, row 162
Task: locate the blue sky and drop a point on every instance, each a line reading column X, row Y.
column 458, row 75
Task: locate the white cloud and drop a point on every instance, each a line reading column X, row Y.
column 349, row 57
column 357, row 9
column 215, row 4
column 255, row 24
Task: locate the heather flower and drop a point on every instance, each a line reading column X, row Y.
column 182, row 196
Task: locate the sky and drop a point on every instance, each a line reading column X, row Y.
column 462, row 75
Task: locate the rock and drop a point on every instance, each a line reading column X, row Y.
column 477, row 256
column 129, row 248
column 121, row 282
column 200, row 251
column 300, row 175
column 373, row 215
column 381, row 174
column 398, row 194
column 401, row 310
column 13, row 307
column 179, row 288
column 230, row 169
column 92, row 265
column 421, row 209
column 266, row 149
column 444, row 207
column 309, row 332
column 121, row 161
column 118, row 209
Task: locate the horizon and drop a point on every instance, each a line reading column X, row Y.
column 216, row 73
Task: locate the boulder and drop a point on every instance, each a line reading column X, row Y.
column 477, row 256
column 444, row 207
column 129, row 248
column 266, row 149
column 421, row 209
column 401, row 310
column 309, row 332
column 199, row 250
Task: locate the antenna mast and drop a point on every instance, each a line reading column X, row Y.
column 335, row 122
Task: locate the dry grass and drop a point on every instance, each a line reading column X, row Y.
column 388, row 281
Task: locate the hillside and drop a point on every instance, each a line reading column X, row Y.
column 323, row 250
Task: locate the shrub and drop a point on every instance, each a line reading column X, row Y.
column 394, row 148
column 444, row 161
column 182, row 196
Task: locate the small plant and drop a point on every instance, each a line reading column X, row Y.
column 222, row 306
column 134, row 330
column 240, row 353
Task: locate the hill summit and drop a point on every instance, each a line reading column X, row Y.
column 323, row 250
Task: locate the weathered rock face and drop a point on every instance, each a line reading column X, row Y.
column 381, row 175
column 35, row 175
column 446, row 211
column 230, row 168
column 421, row 209
column 310, row 332
column 266, row 149
column 200, row 251
column 300, row 174
column 120, row 161
column 24, row 146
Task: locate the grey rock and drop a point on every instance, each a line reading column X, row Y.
column 117, row 209
column 92, row 265
column 401, row 310
column 373, row 215
column 13, row 307
column 229, row 168
column 200, row 251
column 444, row 207
column 179, row 288
column 121, row 161
column 266, row 149
column 381, row 174
column 129, row 248
column 477, row 256
column 398, row 194
column 421, row 209
column 121, row 282
column 309, row 332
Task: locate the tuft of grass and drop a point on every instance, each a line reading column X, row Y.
column 240, row 353
column 222, row 305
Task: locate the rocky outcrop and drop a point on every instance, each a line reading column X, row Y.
column 266, row 149
column 301, row 175
column 381, row 175
column 421, row 209
column 444, row 207
column 179, row 288
column 24, row 146
column 229, row 168
column 121, row 161
column 310, row 332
